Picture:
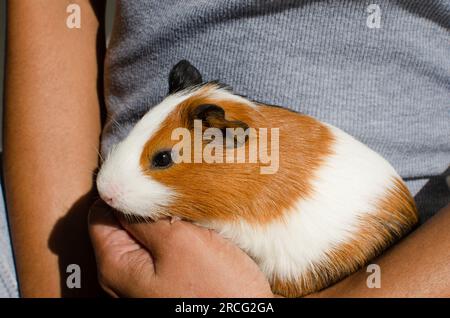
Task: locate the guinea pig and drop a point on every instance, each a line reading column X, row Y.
column 329, row 206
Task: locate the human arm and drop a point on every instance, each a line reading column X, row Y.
column 51, row 136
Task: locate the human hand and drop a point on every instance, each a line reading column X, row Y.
column 164, row 259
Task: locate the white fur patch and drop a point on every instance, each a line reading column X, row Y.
column 223, row 94
column 342, row 192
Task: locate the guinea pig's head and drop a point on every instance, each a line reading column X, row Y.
column 148, row 175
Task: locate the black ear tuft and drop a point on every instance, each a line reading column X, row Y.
column 183, row 75
column 213, row 116
column 207, row 111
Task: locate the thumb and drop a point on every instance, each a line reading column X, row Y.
column 155, row 236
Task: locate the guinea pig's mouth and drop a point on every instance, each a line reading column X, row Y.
column 138, row 213
column 124, row 214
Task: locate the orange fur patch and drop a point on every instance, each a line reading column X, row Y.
column 229, row 191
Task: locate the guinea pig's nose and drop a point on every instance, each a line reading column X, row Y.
column 110, row 194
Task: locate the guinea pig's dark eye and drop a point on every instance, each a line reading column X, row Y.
column 162, row 159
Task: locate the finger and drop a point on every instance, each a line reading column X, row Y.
column 123, row 264
column 149, row 234
column 163, row 237
column 105, row 230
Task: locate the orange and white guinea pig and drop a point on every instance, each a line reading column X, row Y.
column 332, row 205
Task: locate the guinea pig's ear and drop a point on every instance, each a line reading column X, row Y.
column 183, row 75
column 213, row 116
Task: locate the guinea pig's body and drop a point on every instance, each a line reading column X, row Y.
column 332, row 205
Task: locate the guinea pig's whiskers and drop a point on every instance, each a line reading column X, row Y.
column 116, row 124
column 100, row 156
column 128, row 218
column 131, row 218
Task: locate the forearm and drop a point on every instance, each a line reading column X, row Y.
column 51, row 136
column 418, row 266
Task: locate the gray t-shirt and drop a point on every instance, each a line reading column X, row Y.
column 379, row 70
